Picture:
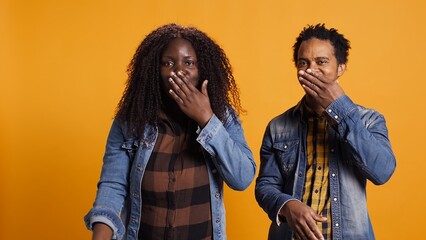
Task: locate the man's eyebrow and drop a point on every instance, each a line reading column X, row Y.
column 321, row 58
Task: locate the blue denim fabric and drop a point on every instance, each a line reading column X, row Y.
column 359, row 151
column 118, row 200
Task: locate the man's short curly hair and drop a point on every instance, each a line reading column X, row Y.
column 340, row 44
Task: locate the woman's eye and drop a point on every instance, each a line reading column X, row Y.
column 190, row 63
column 167, row 63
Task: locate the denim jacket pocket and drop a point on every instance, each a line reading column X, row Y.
column 130, row 146
column 286, row 152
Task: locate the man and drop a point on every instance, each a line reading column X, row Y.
column 317, row 156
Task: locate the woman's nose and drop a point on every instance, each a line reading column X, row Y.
column 178, row 67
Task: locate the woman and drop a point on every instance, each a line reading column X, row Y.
column 175, row 138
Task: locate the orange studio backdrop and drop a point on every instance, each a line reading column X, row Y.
column 63, row 69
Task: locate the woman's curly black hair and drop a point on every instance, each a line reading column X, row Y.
column 340, row 44
column 141, row 101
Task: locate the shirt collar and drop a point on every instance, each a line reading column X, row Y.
column 305, row 111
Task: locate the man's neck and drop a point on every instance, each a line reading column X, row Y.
column 313, row 105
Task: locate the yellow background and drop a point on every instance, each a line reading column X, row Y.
column 62, row 72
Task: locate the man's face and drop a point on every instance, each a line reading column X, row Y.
column 318, row 55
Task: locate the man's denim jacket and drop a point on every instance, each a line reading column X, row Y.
column 118, row 200
column 359, row 151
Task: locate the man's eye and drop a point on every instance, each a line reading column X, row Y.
column 321, row 62
column 302, row 63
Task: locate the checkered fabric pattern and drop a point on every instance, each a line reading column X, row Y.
column 175, row 187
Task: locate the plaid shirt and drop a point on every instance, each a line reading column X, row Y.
column 316, row 193
column 316, row 190
column 175, row 187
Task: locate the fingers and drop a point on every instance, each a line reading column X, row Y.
column 319, row 218
column 308, row 230
column 175, row 96
column 324, row 91
column 303, row 221
column 204, row 88
column 313, row 231
column 179, row 83
column 180, row 86
column 310, row 81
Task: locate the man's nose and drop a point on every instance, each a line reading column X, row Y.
column 313, row 66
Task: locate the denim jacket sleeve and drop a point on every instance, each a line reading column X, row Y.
column 228, row 149
column 364, row 139
column 113, row 184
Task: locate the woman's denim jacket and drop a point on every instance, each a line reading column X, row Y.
column 118, row 200
column 359, row 151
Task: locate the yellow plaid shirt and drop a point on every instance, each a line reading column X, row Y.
column 316, row 191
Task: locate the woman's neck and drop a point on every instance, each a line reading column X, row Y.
column 173, row 112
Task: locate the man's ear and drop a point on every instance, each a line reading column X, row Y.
column 341, row 69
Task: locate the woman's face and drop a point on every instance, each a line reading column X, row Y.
column 179, row 55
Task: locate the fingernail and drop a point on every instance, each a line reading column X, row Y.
column 308, row 70
column 301, row 72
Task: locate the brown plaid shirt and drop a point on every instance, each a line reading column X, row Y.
column 175, row 187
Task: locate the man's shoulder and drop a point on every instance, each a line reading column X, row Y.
column 289, row 117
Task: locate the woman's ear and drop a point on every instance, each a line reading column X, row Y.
column 341, row 69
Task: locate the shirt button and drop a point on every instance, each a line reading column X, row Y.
column 319, row 168
column 316, row 190
column 332, row 150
